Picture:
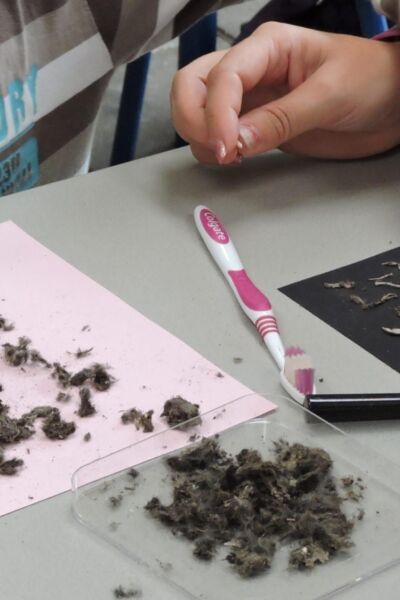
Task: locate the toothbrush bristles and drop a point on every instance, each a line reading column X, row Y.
column 299, row 370
column 304, row 380
column 294, row 351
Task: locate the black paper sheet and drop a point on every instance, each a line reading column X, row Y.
column 333, row 306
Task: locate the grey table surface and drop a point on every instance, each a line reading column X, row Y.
column 130, row 228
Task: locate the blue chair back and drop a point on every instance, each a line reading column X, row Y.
column 371, row 23
column 198, row 40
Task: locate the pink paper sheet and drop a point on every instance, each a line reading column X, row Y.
column 50, row 302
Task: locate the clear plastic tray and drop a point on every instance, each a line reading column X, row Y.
column 152, row 546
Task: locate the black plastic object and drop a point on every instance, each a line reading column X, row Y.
column 354, row 407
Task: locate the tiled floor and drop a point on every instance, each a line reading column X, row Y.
column 156, row 133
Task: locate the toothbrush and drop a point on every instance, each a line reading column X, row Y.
column 255, row 305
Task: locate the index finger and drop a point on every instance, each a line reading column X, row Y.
column 264, row 56
column 188, row 98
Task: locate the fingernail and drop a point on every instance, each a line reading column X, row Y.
column 220, row 151
column 239, row 145
column 247, row 136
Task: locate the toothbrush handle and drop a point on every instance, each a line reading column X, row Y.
column 252, row 301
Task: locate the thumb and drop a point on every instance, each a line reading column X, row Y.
column 312, row 105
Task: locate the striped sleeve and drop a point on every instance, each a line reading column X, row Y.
column 146, row 24
column 56, row 58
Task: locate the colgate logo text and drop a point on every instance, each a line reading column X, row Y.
column 214, row 228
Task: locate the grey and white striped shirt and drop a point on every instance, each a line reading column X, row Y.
column 56, row 58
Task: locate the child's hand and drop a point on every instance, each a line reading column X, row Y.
column 310, row 93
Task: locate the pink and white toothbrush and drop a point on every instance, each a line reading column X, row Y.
column 296, row 381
